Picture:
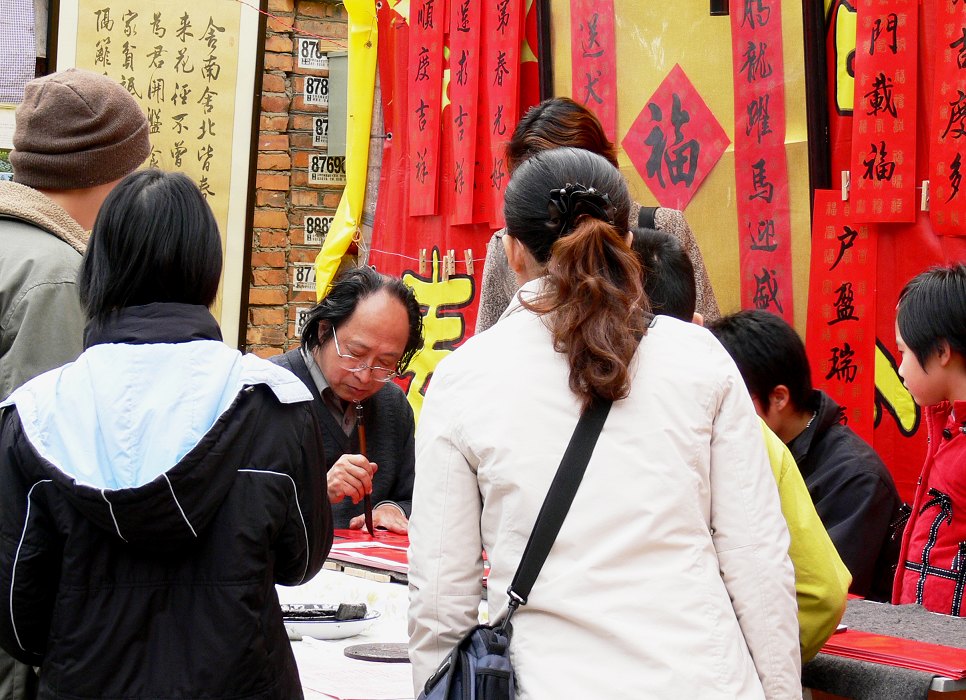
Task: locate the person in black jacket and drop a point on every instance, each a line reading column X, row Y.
column 153, row 492
column 355, row 342
column 852, row 489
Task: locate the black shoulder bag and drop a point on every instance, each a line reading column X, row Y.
column 479, row 666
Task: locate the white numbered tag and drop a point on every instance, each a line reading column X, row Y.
column 300, row 317
column 317, row 91
column 317, row 228
column 320, row 131
column 325, row 170
column 310, row 54
column 303, row 277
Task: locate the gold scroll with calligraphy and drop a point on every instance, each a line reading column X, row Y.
column 180, row 62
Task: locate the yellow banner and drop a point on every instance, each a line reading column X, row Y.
column 363, row 34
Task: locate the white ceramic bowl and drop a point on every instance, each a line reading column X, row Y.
column 332, row 629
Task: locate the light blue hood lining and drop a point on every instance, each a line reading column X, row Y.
column 122, row 415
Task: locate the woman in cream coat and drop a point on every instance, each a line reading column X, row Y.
column 670, row 576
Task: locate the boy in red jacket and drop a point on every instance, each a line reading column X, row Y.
column 931, row 336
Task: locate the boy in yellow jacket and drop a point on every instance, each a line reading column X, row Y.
column 821, row 579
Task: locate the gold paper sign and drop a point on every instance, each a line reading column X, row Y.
column 179, row 64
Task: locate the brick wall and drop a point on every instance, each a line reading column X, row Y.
column 283, row 196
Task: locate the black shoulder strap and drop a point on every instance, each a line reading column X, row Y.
column 645, row 217
column 558, row 500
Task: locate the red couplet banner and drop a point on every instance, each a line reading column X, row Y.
column 902, row 249
column 464, row 81
column 411, row 246
column 884, row 122
column 842, row 304
column 427, row 19
column 594, row 60
column 947, row 148
column 502, row 26
column 761, row 167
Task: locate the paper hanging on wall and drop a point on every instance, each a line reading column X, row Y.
column 761, row 162
column 883, row 159
column 675, row 141
column 842, row 300
column 593, row 56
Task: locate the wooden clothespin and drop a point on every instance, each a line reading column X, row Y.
column 444, row 267
column 469, row 260
column 452, row 261
column 924, row 199
column 422, row 261
column 846, row 184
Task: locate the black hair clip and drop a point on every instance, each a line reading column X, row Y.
column 573, row 201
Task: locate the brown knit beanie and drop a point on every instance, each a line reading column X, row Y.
column 77, row 129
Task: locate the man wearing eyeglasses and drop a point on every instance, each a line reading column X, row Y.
column 355, row 342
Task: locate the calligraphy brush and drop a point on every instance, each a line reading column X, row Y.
column 367, row 499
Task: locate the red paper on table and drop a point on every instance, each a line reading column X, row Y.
column 883, row 164
column 343, row 535
column 464, row 80
column 937, row 659
column 593, row 55
column 842, row 298
column 426, row 20
column 761, row 164
column 947, row 149
column 675, row 141
column 384, row 550
column 500, row 80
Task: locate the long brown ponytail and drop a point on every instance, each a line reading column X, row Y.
column 569, row 208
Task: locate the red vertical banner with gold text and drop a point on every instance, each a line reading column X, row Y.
column 883, row 163
column 500, row 82
column 947, row 140
column 761, row 167
column 841, row 320
column 427, row 18
column 464, row 81
column 593, row 55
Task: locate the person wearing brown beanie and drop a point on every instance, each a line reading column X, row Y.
column 77, row 134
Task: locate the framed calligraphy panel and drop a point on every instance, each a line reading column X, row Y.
column 883, row 162
column 192, row 69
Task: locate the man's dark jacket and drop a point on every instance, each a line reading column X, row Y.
column 151, row 496
column 390, row 441
column 855, row 497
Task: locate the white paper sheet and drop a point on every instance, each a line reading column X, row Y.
column 327, row 673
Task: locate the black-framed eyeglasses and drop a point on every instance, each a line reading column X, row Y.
column 351, row 363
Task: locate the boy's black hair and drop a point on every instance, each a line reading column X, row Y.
column 155, row 239
column 768, row 352
column 668, row 273
column 350, row 288
column 932, row 308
